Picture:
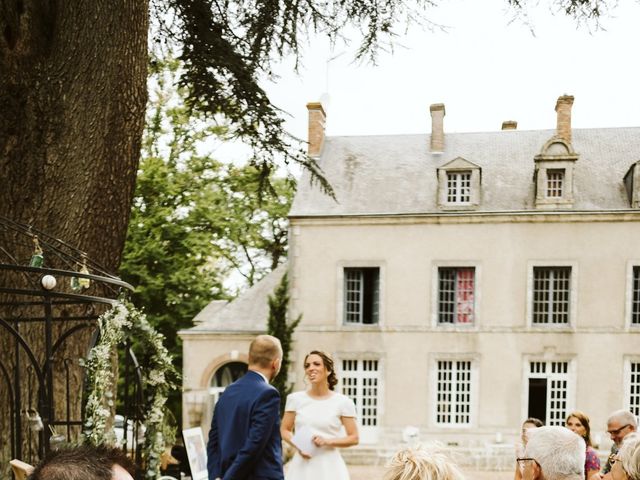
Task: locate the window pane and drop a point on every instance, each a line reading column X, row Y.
column 635, row 298
column 353, row 295
column 361, row 295
column 453, row 394
column 458, row 187
column 551, row 295
column 634, row 388
column 456, row 291
column 548, row 391
column 360, row 381
column 555, row 180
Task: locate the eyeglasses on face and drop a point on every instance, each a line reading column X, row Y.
column 618, row 430
column 521, row 462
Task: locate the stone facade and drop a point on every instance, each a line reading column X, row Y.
column 462, row 283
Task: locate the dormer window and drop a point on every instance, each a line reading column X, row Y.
column 555, row 180
column 459, row 185
column 554, row 174
column 632, row 185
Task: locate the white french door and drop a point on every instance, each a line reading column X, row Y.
column 360, row 381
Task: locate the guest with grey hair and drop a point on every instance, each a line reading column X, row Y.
column 626, row 463
column 553, row 453
column 619, row 424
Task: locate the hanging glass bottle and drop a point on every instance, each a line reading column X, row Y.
column 79, row 283
column 84, row 282
column 37, row 259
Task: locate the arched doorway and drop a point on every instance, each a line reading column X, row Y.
column 227, row 374
column 224, row 376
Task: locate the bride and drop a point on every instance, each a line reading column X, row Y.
column 326, row 417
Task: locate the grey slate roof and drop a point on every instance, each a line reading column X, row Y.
column 397, row 174
column 247, row 313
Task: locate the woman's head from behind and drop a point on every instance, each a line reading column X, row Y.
column 627, row 465
column 422, row 463
column 578, row 422
column 528, row 424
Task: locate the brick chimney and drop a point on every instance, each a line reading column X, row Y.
column 563, row 109
column 437, row 127
column 509, row 125
column 317, row 119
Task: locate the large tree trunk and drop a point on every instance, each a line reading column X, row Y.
column 72, row 102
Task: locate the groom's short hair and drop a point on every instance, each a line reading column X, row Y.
column 263, row 350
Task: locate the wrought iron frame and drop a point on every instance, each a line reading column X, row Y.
column 29, row 301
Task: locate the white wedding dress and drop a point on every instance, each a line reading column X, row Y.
column 321, row 417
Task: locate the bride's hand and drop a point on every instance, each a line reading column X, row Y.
column 320, row 441
column 306, row 456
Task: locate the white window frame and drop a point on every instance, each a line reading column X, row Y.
column 455, row 294
column 629, row 295
column 456, row 168
column 634, row 407
column 435, row 292
column 368, row 434
column 573, row 295
column 340, row 303
column 571, row 382
column 555, row 185
column 433, row 387
column 459, row 187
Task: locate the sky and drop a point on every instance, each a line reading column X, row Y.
column 485, row 68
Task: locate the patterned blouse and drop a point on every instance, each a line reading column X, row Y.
column 592, row 462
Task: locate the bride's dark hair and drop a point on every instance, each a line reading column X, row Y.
column 332, row 379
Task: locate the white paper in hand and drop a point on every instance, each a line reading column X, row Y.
column 303, row 440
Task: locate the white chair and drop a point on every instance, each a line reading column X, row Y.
column 21, row 470
column 411, row 435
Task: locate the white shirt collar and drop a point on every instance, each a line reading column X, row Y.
column 262, row 375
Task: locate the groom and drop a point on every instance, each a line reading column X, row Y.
column 244, row 440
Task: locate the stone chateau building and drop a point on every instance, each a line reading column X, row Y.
column 462, row 281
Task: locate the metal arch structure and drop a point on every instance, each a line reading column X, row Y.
column 37, row 318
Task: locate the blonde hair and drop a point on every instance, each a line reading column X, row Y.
column 422, row 463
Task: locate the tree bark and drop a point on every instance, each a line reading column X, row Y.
column 72, row 96
column 72, row 102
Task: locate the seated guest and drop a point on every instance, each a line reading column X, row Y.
column 620, row 424
column 625, row 465
column 553, row 453
column 421, row 463
column 578, row 423
column 85, row 463
column 530, row 422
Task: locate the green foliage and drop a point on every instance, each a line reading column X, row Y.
column 195, row 221
column 124, row 322
column 228, row 49
column 279, row 327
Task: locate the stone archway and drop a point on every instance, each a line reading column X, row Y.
column 224, row 376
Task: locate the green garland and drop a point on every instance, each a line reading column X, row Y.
column 121, row 322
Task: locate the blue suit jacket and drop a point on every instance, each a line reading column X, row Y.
column 244, row 440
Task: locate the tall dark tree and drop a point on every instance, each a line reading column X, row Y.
column 280, row 327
